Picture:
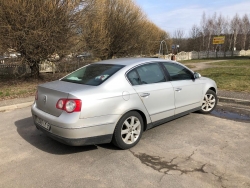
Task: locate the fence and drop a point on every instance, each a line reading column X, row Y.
column 68, row 65
column 16, row 70
column 204, row 55
column 65, row 66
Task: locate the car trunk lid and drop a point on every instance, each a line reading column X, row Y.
column 49, row 93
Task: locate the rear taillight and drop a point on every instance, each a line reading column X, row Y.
column 69, row 105
column 36, row 96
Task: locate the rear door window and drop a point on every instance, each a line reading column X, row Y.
column 94, row 74
column 146, row 74
column 134, row 77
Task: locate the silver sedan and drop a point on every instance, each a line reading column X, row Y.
column 116, row 100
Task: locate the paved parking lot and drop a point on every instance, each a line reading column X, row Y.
column 192, row 151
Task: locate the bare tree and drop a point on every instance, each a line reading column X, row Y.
column 179, row 34
column 117, row 28
column 37, row 29
column 235, row 28
column 194, row 38
column 219, row 25
column 229, row 35
column 150, row 37
column 203, row 29
column 207, row 30
column 178, row 38
column 108, row 29
column 1, row 48
column 236, row 32
column 245, row 30
column 210, row 30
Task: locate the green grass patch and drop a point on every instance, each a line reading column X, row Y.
column 236, row 58
column 195, row 61
column 235, row 62
column 7, row 94
column 22, row 92
column 229, row 78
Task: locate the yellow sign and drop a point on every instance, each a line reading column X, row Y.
column 219, row 40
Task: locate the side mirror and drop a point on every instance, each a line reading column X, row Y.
column 196, row 75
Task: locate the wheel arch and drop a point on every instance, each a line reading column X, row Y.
column 142, row 114
column 213, row 89
column 143, row 118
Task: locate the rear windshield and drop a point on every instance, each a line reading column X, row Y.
column 94, row 74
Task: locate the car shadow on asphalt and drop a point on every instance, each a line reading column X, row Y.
column 28, row 131
column 109, row 146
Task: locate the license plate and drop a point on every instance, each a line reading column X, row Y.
column 42, row 123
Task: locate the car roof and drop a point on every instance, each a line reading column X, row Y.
column 130, row 61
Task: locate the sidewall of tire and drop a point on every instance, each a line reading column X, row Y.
column 117, row 139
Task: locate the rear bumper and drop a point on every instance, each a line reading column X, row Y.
column 74, row 131
column 78, row 141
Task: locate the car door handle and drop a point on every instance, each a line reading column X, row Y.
column 144, row 94
column 178, row 89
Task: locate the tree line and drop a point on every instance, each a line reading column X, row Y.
column 200, row 37
column 39, row 29
column 106, row 28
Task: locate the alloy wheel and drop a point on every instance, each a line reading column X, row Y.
column 131, row 130
column 208, row 102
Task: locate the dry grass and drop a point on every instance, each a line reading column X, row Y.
column 17, row 88
column 233, row 75
column 228, row 60
column 190, row 66
column 234, row 62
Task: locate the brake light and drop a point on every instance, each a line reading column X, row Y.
column 36, row 96
column 69, row 105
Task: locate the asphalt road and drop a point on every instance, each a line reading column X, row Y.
column 192, row 151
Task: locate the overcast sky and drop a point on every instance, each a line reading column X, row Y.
column 182, row 14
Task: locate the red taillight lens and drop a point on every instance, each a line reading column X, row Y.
column 36, row 96
column 69, row 105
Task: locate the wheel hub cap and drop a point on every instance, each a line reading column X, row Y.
column 131, row 130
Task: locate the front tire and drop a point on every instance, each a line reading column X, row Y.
column 128, row 130
column 209, row 102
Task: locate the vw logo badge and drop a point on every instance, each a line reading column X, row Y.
column 45, row 99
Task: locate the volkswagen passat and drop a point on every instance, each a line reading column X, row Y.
column 116, row 100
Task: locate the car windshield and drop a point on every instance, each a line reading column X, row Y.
column 94, row 74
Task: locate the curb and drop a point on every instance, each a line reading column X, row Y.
column 15, row 106
column 233, row 100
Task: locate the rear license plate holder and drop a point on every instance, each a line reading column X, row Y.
column 42, row 123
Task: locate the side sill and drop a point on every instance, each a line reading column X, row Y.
column 159, row 122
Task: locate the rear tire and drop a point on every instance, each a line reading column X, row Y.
column 209, row 102
column 128, row 130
